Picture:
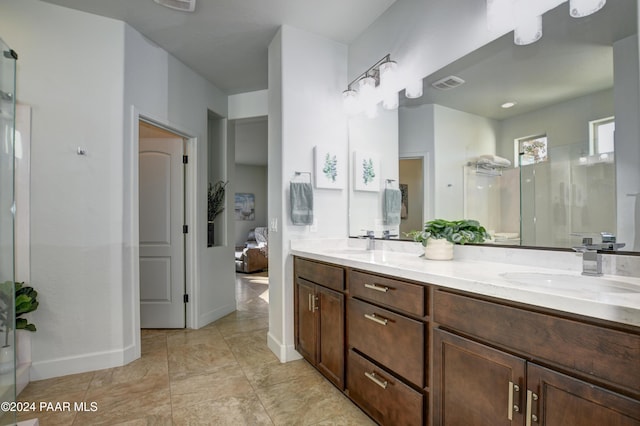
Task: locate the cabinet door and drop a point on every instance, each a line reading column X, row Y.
column 558, row 400
column 305, row 321
column 475, row 385
column 330, row 316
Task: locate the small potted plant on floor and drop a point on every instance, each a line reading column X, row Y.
column 26, row 300
column 439, row 236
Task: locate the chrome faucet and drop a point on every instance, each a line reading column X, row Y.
column 591, row 256
column 387, row 235
column 371, row 240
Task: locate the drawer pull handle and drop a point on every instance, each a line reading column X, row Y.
column 374, row 378
column 374, row 318
column 376, row 287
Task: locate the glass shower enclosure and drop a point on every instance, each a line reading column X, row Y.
column 7, row 208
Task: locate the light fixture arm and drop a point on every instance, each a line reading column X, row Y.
column 373, row 71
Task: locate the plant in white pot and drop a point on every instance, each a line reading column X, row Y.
column 26, row 300
column 439, row 236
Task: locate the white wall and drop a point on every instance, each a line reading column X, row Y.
column 162, row 88
column 253, row 180
column 250, row 104
column 625, row 92
column 422, row 36
column 459, row 137
column 83, row 208
column 416, row 138
column 452, row 138
column 251, row 141
column 379, row 137
column 75, row 86
column 301, row 116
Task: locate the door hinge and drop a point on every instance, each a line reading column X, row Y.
column 185, row 159
column 185, row 298
column 185, row 229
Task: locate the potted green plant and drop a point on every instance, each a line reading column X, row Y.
column 439, row 236
column 215, row 196
column 26, row 300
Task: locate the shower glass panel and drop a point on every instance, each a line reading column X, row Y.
column 568, row 196
column 7, row 301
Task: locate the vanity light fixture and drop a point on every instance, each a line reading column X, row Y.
column 582, row 8
column 413, row 89
column 528, row 30
column 524, row 17
column 378, row 83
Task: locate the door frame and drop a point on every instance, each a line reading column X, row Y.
column 427, row 204
column 190, row 217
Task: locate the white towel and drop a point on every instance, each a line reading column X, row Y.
column 494, row 160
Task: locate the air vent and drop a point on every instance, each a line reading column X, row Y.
column 448, row 83
column 183, row 5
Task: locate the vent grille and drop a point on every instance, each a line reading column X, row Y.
column 448, row 83
column 183, row 5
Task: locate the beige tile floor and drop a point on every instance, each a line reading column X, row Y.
column 222, row 374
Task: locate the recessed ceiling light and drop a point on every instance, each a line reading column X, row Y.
column 508, row 105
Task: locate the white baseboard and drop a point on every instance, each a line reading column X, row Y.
column 215, row 315
column 78, row 364
column 285, row 353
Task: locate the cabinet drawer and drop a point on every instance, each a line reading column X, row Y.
column 396, row 294
column 320, row 273
column 594, row 351
column 394, row 341
column 381, row 395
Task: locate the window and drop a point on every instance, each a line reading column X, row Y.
column 601, row 135
column 531, row 150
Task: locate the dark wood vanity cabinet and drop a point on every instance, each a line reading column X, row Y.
column 319, row 317
column 387, row 339
column 519, row 367
column 409, row 353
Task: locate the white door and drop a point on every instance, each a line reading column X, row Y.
column 161, row 199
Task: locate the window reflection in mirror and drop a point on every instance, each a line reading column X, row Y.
column 563, row 89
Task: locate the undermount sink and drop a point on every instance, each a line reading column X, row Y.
column 566, row 282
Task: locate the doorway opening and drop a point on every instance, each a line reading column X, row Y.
column 411, row 175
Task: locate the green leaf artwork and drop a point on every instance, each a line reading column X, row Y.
column 330, row 168
column 368, row 171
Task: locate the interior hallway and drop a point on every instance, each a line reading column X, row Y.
column 222, row 374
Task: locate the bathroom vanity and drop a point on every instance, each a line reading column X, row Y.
column 419, row 342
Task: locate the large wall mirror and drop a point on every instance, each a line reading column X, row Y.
column 560, row 164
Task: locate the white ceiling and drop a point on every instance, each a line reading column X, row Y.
column 226, row 41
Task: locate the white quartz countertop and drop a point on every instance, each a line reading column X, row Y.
column 610, row 297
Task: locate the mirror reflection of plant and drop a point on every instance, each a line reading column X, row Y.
column 215, row 199
column 25, row 302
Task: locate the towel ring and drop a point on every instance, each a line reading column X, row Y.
column 297, row 174
column 388, row 182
